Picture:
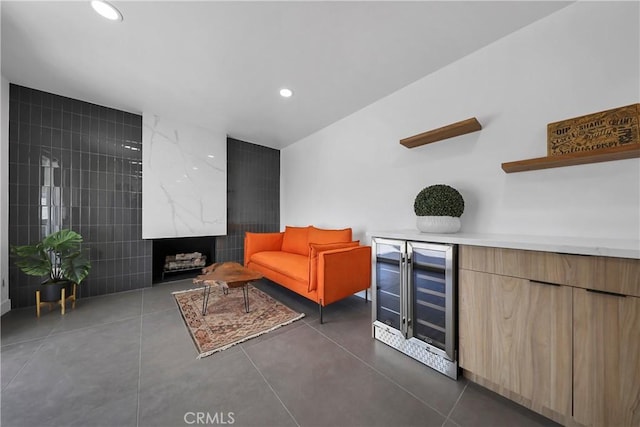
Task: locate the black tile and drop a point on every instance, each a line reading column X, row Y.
column 67, row 120
column 45, row 136
column 119, row 131
column 76, row 106
column 25, row 94
column 23, row 194
column 56, row 119
column 23, row 237
column 14, row 110
column 47, row 100
column 36, row 98
column 47, row 117
column 80, row 193
column 14, row 92
column 67, row 104
column 86, row 124
column 77, row 122
column 65, row 140
column 56, row 138
column 56, row 103
column 110, row 114
column 86, row 109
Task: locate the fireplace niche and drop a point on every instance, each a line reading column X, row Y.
column 170, row 247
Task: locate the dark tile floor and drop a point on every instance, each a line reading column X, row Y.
column 127, row 360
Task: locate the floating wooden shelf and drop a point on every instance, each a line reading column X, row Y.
column 455, row 129
column 580, row 158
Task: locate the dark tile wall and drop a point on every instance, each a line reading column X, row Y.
column 77, row 165
column 253, row 196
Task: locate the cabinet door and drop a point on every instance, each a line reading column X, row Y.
column 606, row 359
column 388, row 280
column 515, row 334
column 431, row 295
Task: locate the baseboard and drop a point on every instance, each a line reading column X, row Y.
column 5, row 307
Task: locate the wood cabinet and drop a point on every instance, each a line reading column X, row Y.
column 515, row 337
column 606, row 359
column 532, row 328
column 618, row 275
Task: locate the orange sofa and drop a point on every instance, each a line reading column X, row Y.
column 322, row 265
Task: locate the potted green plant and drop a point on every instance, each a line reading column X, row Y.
column 438, row 209
column 59, row 258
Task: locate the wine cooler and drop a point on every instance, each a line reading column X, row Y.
column 414, row 308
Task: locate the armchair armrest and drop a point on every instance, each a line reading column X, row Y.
column 260, row 242
column 343, row 272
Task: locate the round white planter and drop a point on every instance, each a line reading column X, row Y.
column 438, row 224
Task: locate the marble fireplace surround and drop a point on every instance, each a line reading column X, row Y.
column 184, row 186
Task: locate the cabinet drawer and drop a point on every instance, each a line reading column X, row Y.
column 618, row 275
column 622, row 276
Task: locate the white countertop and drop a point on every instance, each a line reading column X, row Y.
column 621, row 248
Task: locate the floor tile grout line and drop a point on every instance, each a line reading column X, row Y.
column 52, row 334
column 160, row 311
column 267, row 337
column 388, row 378
column 455, row 404
column 26, row 362
column 270, row 387
column 44, row 339
column 139, row 362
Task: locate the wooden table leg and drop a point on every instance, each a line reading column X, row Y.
column 38, row 303
column 74, row 297
column 63, row 300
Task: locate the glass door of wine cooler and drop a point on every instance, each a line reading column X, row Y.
column 432, row 295
column 388, row 279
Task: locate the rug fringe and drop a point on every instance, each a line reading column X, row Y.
column 225, row 347
column 187, row 290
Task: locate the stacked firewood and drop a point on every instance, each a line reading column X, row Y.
column 184, row 261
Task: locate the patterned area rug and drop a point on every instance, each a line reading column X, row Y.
column 226, row 323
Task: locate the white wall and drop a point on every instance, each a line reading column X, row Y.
column 5, row 304
column 184, row 182
column 582, row 59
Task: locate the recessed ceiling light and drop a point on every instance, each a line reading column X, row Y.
column 106, row 10
column 286, row 93
column 211, row 156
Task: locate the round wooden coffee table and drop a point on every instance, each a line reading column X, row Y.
column 227, row 275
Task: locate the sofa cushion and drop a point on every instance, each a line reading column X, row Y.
column 259, row 242
column 293, row 265
column 322, row 236
column 315, row 249
column 296, row 240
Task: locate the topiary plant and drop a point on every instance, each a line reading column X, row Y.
column 439, row 200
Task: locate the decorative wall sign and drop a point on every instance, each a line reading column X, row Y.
column 597, row 131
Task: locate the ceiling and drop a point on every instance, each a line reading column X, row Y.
column 220, row 65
